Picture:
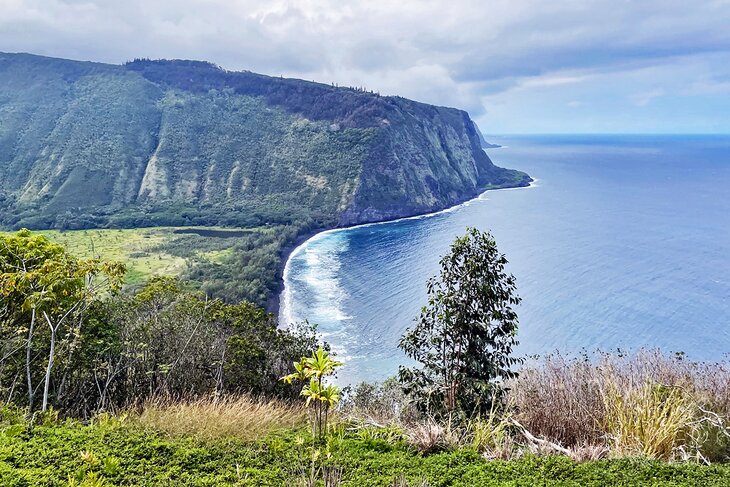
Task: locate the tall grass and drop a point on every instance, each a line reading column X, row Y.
column 646, row 404
column 492, row 434
column 648, row 419
column 642, row 404
column 241, row 417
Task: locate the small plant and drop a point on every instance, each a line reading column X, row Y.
column 89, row 458
column 320, row 396
column 111, row 466
column 490, row 434
column 89, row 475
column 90, row 479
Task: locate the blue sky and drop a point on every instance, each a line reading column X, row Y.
column 518, row 66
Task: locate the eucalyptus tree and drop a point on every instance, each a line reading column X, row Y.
column 464, row 336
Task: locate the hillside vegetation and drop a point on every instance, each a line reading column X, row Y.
column 187, row 143
column 113, row 452
column 229, row 263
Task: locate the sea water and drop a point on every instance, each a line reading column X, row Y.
column 623, row 242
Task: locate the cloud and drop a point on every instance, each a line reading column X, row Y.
column 643, row 99
column 455, row 52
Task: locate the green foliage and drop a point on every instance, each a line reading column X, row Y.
column 231, row 264
column 464, row 336
column 246, row 264
column 165, row 341
column 321, row 396
column 103, row 354
column 41, row 284
column 162, row 340
column 98, row 145
column 52, row 455
column 180, row 143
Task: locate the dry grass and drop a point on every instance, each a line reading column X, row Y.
column 588, row 408
column 559, row 399
column 427, row 436
column 588, row 453
column 648, row 419
column 239, row 417
column 647, row 404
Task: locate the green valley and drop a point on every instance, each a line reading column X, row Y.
column 234, row 264
column 186, row 143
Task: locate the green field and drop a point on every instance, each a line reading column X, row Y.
column 134, row 247
column 156, row 251
column 232, row 264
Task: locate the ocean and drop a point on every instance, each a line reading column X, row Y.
column 623, row 242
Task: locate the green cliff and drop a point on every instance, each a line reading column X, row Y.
column 187, row 143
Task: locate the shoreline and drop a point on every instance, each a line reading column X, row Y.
column 280, row 299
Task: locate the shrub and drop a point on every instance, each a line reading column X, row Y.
column 464, row 336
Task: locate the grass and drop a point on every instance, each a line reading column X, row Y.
column 228, row 417
column 231, row 264
column 656, row 420
column 136, row 247
column 643, row 404
column 648, row 419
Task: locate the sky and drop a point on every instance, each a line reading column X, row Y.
column 517, row 66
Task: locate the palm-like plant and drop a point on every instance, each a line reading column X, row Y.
column 323, row 397
column 301, row 373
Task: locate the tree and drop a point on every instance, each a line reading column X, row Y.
column 40, row 281
column 464, row 337
column 166, row 340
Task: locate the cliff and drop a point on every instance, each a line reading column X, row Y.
column 186, row 142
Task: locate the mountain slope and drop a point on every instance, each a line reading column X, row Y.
column 185, row 142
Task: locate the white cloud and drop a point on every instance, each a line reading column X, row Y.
column 455, row 52
column 644, row 98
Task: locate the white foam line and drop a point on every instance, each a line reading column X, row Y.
column 287, row 294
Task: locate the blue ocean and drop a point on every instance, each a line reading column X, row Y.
column 623, row 242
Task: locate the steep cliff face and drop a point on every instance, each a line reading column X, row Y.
column 427, row 158
column 88, row 144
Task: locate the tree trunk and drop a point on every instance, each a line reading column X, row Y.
column 12, row 389
column 326, row 414
column 31, row 392
column 51, row 353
